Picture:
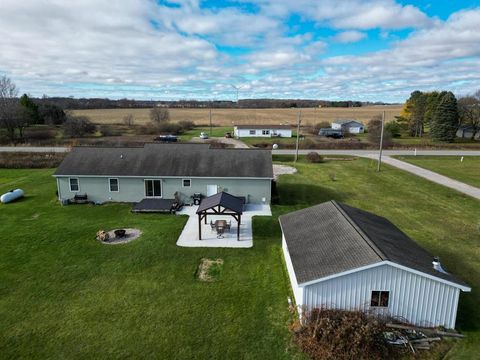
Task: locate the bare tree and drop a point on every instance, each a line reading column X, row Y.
column 128, row 120
column 159, row 115
column 8, row 106
column 469, row 111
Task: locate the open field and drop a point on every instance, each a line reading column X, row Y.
column 467, row 171
column 64, row 295
column 228, row 117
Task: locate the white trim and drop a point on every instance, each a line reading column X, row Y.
column 386, row 262
column 190, row 183
column 145, row 189
column 58, row 190
column 70, row 184
column 110, row 186
column 155, row 177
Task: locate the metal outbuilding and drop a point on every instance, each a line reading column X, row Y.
column 342, row 257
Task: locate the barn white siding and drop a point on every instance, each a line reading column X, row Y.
column 297, row 291
column 272, row 132
column 416, row 298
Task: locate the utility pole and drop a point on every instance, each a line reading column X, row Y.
column 381, row 142
column 237, row 88
column 210, row 119
column 298, row 134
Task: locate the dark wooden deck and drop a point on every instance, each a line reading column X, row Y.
column 154, row 206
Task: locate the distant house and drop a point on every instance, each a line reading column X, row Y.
column 262, row 131
column 342, row 257
column 467, row 132
column 348, row 126
column 164, row 171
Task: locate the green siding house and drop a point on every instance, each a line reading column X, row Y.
column 165, row 171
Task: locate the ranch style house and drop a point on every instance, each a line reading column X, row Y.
column 240, row 131
column 164, row 171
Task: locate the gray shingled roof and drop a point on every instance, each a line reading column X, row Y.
column 348, row 121
column 270, row 126
column 331, row 238
column 185, row 160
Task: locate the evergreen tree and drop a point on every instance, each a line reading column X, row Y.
column 28, row 110
column 445, row 118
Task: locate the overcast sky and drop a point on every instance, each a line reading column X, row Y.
column 378, row 50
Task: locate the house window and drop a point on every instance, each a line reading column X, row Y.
column 74, row 185
column 186, row 182
column 252, row 132
column 265, row 132
column 153, row 188
column 113, row 184
column 380, row 298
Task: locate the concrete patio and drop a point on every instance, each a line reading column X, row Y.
column 189, row 235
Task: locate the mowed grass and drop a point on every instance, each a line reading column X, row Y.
column 64, row 295
column 441, row 220
column 228, row 117
column 467, row 171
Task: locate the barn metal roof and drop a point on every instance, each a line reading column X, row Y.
column 270, row 126
column 332, row 238
column 169, row 160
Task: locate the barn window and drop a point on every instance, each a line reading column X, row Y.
column 380, row 298
column 265, row 132
column 252, row 132
column 187, row 182
column 113, row 184
column 74, row 186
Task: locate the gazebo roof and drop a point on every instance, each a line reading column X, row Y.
column 224, row 200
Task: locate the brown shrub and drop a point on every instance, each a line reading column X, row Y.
column 340, row 334
column 26, row 160
column 313, row 157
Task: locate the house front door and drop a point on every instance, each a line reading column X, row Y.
column 212, row 190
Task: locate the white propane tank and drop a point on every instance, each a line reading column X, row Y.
column 275, row 146
column 11, row 196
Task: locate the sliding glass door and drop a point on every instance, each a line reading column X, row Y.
column 153, row 188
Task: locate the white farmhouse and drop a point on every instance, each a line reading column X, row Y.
column 240, row 131
column 342, row 257
column 348, row 126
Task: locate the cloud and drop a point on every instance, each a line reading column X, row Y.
column 351, row 14
column 184, row 49
column 350, row 36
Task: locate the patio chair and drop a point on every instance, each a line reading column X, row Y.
column 228, row 226
column 212, row 226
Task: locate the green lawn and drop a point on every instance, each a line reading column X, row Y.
column 64, row 295
column 217, row 131
column 467, row 171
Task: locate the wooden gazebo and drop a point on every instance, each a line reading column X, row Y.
column 220, row 204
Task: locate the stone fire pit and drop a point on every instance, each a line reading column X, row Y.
column 118, row 236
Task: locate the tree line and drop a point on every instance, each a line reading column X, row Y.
column 16, row 113
column 70, row 103
column 440, row 113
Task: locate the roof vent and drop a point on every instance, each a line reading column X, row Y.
column 437, row 265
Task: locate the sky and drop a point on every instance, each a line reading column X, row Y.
column 379, row 50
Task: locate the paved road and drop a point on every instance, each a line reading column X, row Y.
column 432, row 176
column 284, row 152
column 33, row 149
column 385, row 152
